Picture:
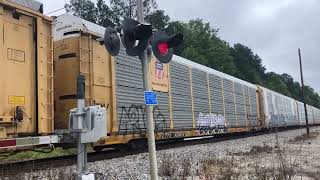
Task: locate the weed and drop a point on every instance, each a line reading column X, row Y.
column 186, row 167
column 253, row 151
column 220, row 169
column 167, row 165
column 304, row 137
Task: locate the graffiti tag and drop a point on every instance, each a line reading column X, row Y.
column 133, row 118
column 211, row 123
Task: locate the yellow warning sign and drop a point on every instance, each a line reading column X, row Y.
column 16, row 99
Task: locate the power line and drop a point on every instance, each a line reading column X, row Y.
column 55, row 11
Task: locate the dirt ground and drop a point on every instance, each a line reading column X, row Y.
column 292, row 157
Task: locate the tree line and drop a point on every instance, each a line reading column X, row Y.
column 202, row 44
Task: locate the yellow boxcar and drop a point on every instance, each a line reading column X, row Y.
column 26, row 70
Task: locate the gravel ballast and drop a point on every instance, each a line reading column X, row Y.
column 285, row 154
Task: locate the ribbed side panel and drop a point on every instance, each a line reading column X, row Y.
column 301, row 113
column 310, row 115
column 181, row 99
column 131, row 111
column 200, row 93
column 254, row 112
column 229, row 102
column 161, row 113
column 240, row 106
column 316, row 115
column 216, row 94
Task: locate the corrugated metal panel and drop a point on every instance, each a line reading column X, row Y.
column 316, row 114
column 253, row 103
column 229, row 102
column 282, row 110
column 131, row 111
column 240, row 106
column 301, row 113
column 192, row 64
column 200, row 92
column 181, row 99
column 216, row 94
column 310, row 114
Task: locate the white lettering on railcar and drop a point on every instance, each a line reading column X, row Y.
column 210, row 120
column 210, row 124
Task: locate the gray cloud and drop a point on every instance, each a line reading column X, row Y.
column 271, row 28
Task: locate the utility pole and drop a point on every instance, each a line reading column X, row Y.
column 150, row 123
column 302, row 93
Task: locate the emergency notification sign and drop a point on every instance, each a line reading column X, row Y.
column 150, row 98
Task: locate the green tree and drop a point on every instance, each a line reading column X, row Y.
column 249, row 66
column 293, row 87
column 105, row 15
column 202, row 45
column 83, row 8
column 127, row 8
column 275, row 83
column 158, row 19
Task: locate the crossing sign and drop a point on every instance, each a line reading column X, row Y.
column 150, row 98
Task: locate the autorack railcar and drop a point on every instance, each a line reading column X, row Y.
column 194, row 100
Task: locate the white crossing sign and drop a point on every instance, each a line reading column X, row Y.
column 150, row 98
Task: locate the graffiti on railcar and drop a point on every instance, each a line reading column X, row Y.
column 281, row 119
column 133, row 118
column 210, row 123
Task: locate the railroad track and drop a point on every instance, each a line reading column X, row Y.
column 61, row 161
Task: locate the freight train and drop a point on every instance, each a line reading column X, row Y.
column 42, row 56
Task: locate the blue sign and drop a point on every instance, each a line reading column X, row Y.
column 150, row 98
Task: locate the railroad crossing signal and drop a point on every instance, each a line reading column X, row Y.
column 111, row 41
column 162, row 45
column 136, row 36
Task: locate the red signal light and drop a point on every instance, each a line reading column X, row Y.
column 163, row 48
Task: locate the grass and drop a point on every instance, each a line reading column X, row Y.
column 48, row 175
column 31, row 155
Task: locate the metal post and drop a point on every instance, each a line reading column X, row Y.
column 81, row 149
column 302, row 93
column 150, row 123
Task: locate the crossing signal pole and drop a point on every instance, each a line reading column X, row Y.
column 150, row 123
column 139, row 40
column 302, row 93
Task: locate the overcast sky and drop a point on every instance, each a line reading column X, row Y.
column 273, row 29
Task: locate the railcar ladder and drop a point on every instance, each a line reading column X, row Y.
column 86, row 64
column 46, row 88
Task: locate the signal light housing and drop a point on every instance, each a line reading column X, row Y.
column 135, row 36
column 111, row 41
column 162, row 45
